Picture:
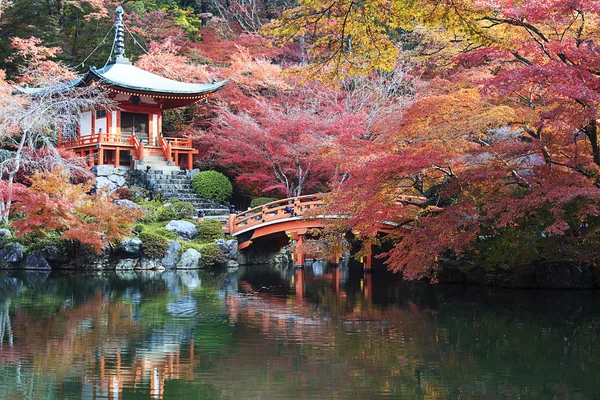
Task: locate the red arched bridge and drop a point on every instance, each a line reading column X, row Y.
column 283, row 219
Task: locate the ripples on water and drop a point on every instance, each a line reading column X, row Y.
column 271, row 333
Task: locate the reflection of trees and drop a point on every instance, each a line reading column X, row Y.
column 182, row 336
column 101, row 342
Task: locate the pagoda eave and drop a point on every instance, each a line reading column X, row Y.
column 167, row 100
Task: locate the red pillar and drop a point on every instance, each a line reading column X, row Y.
column 117, row 157
column 190, row 162
column 298, row 254
column 336, row 276
column 368, row 259
column 368, row 285
column 299, row 282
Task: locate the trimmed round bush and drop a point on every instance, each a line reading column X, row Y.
column 153, row 245
column 212, row 185
column 259, row 201
column 211, row 255
column 209, row 230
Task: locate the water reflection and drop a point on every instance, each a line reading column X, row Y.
column 266, row 332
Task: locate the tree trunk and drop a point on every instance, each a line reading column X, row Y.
column 11, row 179
column 204, row 11
column 591, row 131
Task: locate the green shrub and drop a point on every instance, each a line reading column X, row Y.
column 166, row 213
column 153, row 245
column 138, row 193
column 32, row 242
column 211, row 255
column 152, row 210
column 157, row 228
column 182, row 209
column 212, row 185
column 209, row 230
column 259, row 201
column 174, row 210
column 186, row 245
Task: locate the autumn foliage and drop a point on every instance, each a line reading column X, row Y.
column 487, row 109
column 52, row 204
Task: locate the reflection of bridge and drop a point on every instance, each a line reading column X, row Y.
column 291, row 217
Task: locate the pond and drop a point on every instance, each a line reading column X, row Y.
column 275, row 333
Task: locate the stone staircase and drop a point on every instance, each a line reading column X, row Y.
column 177, row 184
column 155, row 161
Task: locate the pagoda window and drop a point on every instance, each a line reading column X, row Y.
column 101, row 121
column 135, row 123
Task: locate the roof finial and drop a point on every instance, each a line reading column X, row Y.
column 120, row 39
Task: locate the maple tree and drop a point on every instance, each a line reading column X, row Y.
column 282, row 151
column 488, row 109
column 29, row 122
column 504, row 134
column 52, row 204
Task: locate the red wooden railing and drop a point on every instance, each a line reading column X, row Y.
column 184, row 143
column 96, row 138
column 300, row 205
column 166, row 148
column 138, row 147
column 93, row 139
column 273, row 211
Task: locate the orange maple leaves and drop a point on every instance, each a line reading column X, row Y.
column 52, row 204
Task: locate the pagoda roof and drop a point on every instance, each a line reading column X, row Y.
column 121, row 76
column 130, row 77
column 49, row 90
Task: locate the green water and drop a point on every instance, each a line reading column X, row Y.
column 268, row 333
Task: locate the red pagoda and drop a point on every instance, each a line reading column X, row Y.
column 132, row 134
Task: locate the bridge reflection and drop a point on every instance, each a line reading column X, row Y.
column 273, row 332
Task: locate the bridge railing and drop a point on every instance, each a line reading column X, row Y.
column 274, row 211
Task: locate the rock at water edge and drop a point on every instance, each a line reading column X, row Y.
column 171, row 259
column 565, row 275
column 190, row 259
column 36, row 261
column 131, row 247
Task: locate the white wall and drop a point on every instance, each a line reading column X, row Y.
column 114, row 122
column 85, row 123
column 155, row 128
column 101, row 124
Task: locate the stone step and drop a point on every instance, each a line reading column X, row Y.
column 211, row 212
column 169, row 177
column 174, row 191
column 176, row 184
column 167, row 184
